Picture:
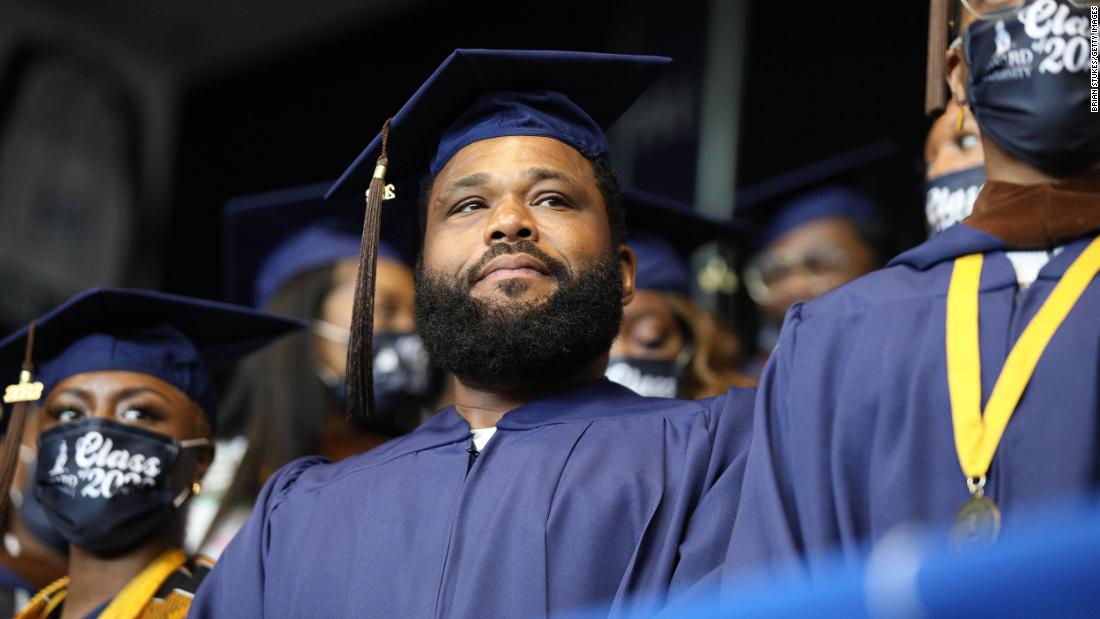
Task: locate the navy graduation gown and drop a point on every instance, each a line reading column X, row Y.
column 594, row 496
column 852, row 427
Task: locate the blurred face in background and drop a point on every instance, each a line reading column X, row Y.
column 806, row 262
column 949, row 149
column 393, row 308
column 649, row 329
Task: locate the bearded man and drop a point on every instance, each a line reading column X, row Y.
column 544, row 488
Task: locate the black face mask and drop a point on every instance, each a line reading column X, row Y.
column 106, row 486
column 948, row 199
column 404, row 379
column 653, row 378
column 1029, row 85
column 35, row 519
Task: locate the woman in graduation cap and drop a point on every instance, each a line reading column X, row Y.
column 954, row 168
column 959, row 387
column 127, row 400
column 817, row 230
column 666, row 343
column 294, row 254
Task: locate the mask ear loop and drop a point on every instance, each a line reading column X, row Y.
column 190, row 490
column 688, row 351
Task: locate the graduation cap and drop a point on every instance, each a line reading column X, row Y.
column 476, row 95
column 272, row 237
column 814, row 192
column 177, row 339
column 663, row 234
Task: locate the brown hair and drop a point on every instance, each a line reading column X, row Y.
column 712, row 369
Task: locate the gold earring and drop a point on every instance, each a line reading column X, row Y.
column 196, row 488
column 960, row 119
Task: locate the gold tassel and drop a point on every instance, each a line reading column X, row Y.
column 360, row 366
column 960, row 119
column 19, row 395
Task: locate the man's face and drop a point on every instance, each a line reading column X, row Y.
column 506, row 190
column 518, row 280
column 810, row 260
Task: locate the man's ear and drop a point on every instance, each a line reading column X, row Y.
column 958, row 74
column 628, row 266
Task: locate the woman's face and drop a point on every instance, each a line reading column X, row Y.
column 393, row 306
column 649, row 329
column 130, row 398
column 950, row 149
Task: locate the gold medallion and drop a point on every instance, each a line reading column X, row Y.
column 977, row 525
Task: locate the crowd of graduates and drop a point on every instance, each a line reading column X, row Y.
column 469, row 378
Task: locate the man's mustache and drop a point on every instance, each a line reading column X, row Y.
column 557, row 268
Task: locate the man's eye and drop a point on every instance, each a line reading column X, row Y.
column 552, row 201
column 467, row 207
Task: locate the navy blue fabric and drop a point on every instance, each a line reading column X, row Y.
column 1029, row 85
column 593, row 496
column 831, row 201
column 157, row 350
column 852, row 429
column 660, row 266
column 826, row 188
column 1043, row 567
column 948, row 199
column 477, row 94
column 663, row 233
column 272, row 237
column 178, row 339
column 541, row 113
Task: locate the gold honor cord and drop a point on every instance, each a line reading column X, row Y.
column 128, row 604
column 132, row 600
column 976, row 435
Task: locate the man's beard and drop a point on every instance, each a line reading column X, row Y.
column 515, row 341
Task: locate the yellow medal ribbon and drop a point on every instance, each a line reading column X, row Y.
column 977, row 436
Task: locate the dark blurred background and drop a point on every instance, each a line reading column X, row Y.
column 124, row 126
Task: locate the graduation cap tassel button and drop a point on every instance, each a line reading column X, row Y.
column 389, row 192
column 24, row 390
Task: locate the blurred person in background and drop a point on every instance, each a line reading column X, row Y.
column 128, row 406
column 294, row 254
column 962, row 381
column 954, row 170
column 816, row 232
column 667, row 344
column 34, row 555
